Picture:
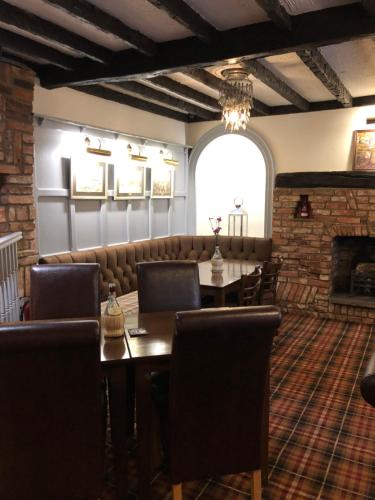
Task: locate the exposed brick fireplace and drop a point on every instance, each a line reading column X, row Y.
column 322, row 250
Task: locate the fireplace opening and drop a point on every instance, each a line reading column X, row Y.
column 353, row 271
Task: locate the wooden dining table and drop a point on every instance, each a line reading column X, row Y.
column 147, row 354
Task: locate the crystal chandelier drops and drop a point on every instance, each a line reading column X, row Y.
column 236, row 98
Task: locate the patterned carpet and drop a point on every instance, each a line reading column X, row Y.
column 322, row 434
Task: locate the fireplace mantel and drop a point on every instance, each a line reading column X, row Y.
column 338, row 179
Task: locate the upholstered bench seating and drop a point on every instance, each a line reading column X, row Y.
column 117, row 263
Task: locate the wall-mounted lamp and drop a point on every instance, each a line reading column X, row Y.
column 370, row 121
column 137, row 157
column 96, row 151
column 168, row 161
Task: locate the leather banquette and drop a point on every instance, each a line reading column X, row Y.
column 118, row 263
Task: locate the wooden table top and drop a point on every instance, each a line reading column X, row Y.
column 233, row 269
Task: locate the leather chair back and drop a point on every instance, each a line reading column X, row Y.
column 249, row 288
column 168, row 286
column 218, row 390
column 51, row 433
column 64, row 291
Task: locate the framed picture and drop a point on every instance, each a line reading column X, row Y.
column 88, row 177
column 129, row 181
column 162, row 182
column 364, row 154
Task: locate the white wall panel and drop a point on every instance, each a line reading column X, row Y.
column 138, row 219
column 116, row 222
column 178, row 215
column 159, row 220
column 87, row 213
column 53, row 226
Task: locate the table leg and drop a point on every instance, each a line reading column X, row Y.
column 118, row 415
column 220, row 298
column 144, row 429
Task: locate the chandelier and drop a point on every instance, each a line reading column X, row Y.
column 236, row 98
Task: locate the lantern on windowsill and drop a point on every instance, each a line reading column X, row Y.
column 237, row 219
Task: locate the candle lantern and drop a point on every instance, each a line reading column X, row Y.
column 237, row 219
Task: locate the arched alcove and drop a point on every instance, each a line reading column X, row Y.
column 246, row 167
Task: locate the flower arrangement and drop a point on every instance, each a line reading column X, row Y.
column 216, row 228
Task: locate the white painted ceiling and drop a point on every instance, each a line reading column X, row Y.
column 354, row 62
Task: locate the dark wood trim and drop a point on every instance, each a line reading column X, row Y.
column 214, row 82
column 18, row 18
column 185, row 15
column 344, row 179
column 315, row 61
column 22, row 45
column 184, row 92
column 139, row 90
column 277, row 13
column 369, row 6
column 312, row 29
column 89, row 13
column 271, row 80
column 112, row 95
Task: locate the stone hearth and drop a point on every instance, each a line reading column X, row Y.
column 307, row 278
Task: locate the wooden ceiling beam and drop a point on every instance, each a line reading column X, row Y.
column 142, row 91
column 22, row 45
column 311, row 29
column 277, row 13
column 18, row 18
column 215, row 83
column 127, row 100
column 184, row 92
column 271, row 80
column 369, row 6
column 188, row 17
column 315, row 61
column 90, row 14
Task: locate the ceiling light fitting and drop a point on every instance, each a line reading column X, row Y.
column 236, row 98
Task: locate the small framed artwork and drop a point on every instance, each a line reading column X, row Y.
column 364, row 153
column 129, row 181
column 88, row 177
column 162, row 182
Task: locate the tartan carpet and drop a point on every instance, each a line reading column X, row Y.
column 322, row 433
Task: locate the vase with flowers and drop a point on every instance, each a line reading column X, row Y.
column 217, row 263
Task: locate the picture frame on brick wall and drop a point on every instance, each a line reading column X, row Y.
column 364, row 150
column 88, row 177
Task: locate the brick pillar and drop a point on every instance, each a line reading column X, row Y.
column 17, row 205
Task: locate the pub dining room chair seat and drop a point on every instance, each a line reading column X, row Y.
column 215, row 401
column 64, row 291
column 51, row 426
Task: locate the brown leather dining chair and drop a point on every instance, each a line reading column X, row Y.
column 169, row 285
column 216, row 402
column 64, row 291
column 268, row 282
column 249, row 288
column 51, row 426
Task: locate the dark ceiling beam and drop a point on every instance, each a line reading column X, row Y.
column 215, row 83
column 369, row 6
column 90, row 14
column 184, row 92
column 22, row 45
column 315, row 61
column 277, row 13
column 142, row 91
column 271, row 80
column 185, row 15
column 311, row 29
column 127, row 100
column 18, row 18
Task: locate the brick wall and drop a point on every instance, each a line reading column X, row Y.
column 306, row 245
column 17, row 207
